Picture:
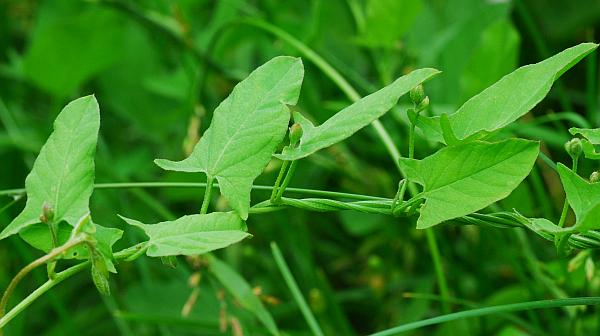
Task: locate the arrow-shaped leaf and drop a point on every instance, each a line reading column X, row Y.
column 459, row 180
column 245, row 130
column 354, row 117
column 63, row 173
column 193, row 234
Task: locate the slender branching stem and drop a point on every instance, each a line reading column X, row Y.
column 286, row 180
column 282, row 171
column 34, row 264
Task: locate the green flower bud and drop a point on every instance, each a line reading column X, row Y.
column 423, row 104
column 595, row 177
column 417, row 94
column 47, row 213
column 574, row 148
column 100, row 273
column 295, row 134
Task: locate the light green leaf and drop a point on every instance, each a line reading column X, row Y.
column 510, row 98
column 583, row 197
column 242, row 292
column 592, row 134
column 591, row 219
column 462, row 179
column 384, row 30
column 354, row 117
column 193, row 234
column 245, row 130
column 63, row 173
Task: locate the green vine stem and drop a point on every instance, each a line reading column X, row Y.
column 60, row 277
column 286, row 180
column 34, row 264
column 282, row 171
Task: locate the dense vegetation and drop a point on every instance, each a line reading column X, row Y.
column 321, row 167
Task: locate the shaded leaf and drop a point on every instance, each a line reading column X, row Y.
column 63, row 173
column 354, row 117
column 242, row 292
column 510, row 98
column 246, row 128
column 462, row 179
column 193, row 234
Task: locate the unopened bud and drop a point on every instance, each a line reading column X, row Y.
column 47, row 213
column 595, row 177
column 423, row 104
column 574, row 148
column 295, row 134
column 417, row 94
column 100, row 273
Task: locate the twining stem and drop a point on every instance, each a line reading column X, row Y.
column 286, row 180
column 60, row 277
column 207, row 192
column 493, row 310
column 296, row 293
column 282, row 171
column 38, row 262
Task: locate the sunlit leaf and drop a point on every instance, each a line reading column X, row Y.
column 583, row 197
column 354, row 117
column 462, row 179
column 245, row 130
column 193, row 234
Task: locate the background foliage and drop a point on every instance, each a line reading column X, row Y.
column 158, row 68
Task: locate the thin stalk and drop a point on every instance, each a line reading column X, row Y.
column 282, row 171
column 207, row 192
column 500, row 309
column 60, row 277
column 293, row 286
column 129, row 185
column 439, row 270
column 34, row 264
column 286, row 180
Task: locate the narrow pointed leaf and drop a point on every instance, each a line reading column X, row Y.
column 582, row 195
column 193, row 234
column 63, row 173
column 462, row 179
column 354, row 117
column 245, row 130
column 510, row 98
column 242, row 292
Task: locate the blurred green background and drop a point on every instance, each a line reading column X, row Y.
column 158, row 69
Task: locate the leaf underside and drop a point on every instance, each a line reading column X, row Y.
column 354, row 117
column 459, row 180
column 192, row 234
column 245, row 131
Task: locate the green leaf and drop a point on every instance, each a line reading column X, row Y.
column 245, row 130
column 592, row 134
column 583, row 198
column 354, row 117
column 510, row 98
column 384, row 30
column 63, row 173
column 193, row 234
column 462, row 179
column 242, row 292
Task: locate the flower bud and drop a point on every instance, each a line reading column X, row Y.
column 595, row 177
column 100, row 273
column 423, row 104
column 47, row 213
column 574, row 148
column 417, row 94
column 295, row 134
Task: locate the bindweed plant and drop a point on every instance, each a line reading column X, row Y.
column 477, row 164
